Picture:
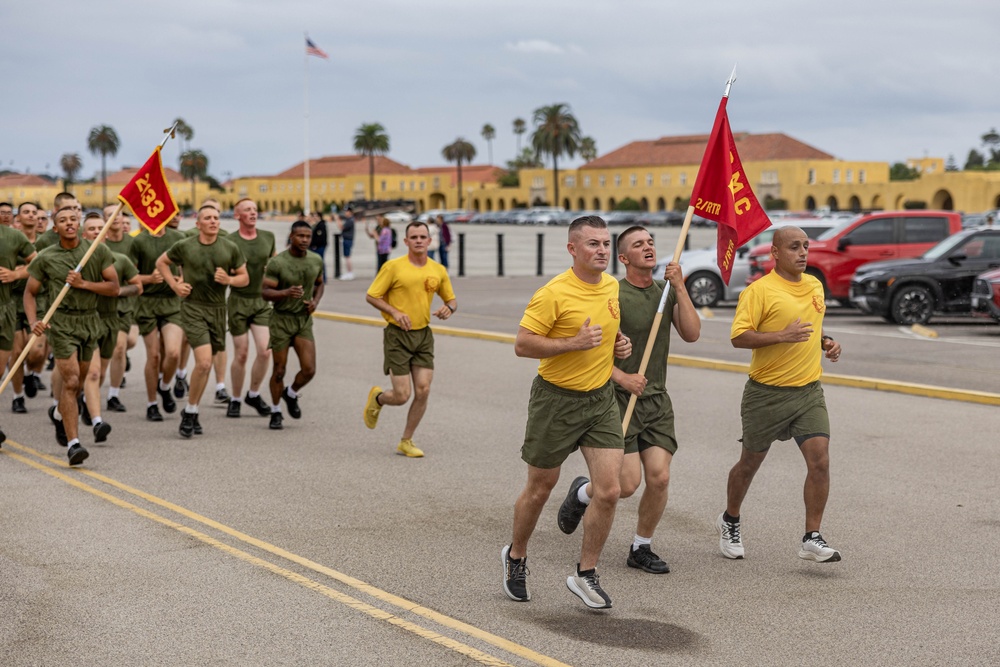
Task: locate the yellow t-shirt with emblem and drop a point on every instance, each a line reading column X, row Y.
column 771, row 304
column 558, row 310
column 411, row 289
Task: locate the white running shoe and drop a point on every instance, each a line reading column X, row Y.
column 815, row 548
column 730, row 542
column 587, row 586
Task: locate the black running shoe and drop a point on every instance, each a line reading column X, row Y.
column 180, row 388
column 30, row 388
column 39, row 385
column 187, row 424
column 84, row 412
column 515, row 576
column 233, row 410
column 168, row 400
column 128, row 364
column 153, row 414
column 115, row 405
column 197, row 425
column 52, row 363
column 276, row 419
column 60, row 429
column 643, row 558
column 258, row 404
column 124, row 382
column 101, row 431
column 222, row 397
column 17, row 406
column 3, row 437
column 292, row 403
column 77, row 454
column 571, row 511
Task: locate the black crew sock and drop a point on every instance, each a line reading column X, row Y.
column 730, row 519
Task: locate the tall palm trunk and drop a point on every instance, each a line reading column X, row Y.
column 460, row 182
column 371, row 175
column 104, row 181
column 555, row 173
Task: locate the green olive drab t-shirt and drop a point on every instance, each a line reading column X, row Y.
column 54, row 263
column 15, row 249
column 145, row 250
column 199, row 263
column 638, row 309
column 112, row 305
column 289, row 271
column 257, row 252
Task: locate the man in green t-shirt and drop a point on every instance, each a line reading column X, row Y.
column 210, row 265
column 650, row 442
column 16, row 252
column 157, row 314
column 249, row 313
column 75, row 326
column 118, row 241
column 293, row 280
column 112, row 337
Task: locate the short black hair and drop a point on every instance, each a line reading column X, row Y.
column 623, row 237
column 300, row 224
column 415, row 223
column 24, row 203
column 8, row 204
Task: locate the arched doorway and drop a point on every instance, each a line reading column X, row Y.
column 810, row 203
column 437, row 200
column 489, row 204
column 597, row 204
column 611, row 203
column 943, row 201
column 566, row 204
column 899, row 202
column 661, row 204
column 996, row 202
column 644, row 204
column 678, row 204
column 831, row 203
column 501, row 206
column 581, row 204
column 855, row 204
column 877, row 203
column 475, row 205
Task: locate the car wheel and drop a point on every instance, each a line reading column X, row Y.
column 705, row 289
column 912, row 304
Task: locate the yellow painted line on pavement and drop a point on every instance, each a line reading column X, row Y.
column 357, row 584
column 859, row 382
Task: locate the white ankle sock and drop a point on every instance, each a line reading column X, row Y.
column 291, row 392
column 641, row 541
column 220, row 386
column 112, row 392
column 582, row 496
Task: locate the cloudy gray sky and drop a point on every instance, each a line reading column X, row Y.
column 861, row 79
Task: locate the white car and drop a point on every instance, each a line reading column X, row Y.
column 701, row 269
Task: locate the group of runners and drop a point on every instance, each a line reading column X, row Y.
column 180, row 291
column 588, row 330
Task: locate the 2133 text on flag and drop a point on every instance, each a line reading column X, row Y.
column 148, row 195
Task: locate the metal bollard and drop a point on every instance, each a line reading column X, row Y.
column 461, row 255
column 614, row 254
column 541, row 253
column 500, row 255
column 336, row 256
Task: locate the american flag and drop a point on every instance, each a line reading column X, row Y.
column 313, row 50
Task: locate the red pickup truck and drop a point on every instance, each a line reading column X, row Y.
column 837, row 253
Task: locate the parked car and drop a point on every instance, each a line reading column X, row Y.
column 546, row 215
column 623, row 218
column 986, row 295
column 910, row 291
column 703, row 278
column 836, row 254
column 660, row 219
column 399, row 217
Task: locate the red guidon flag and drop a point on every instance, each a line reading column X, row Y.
column 148, row 196
column 722, row 193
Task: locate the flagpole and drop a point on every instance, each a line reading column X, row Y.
column 647, row 353
column 66, row 286
column 306, row 207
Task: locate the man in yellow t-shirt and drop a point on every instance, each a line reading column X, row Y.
column 572, row 326
column 404, row 291
column 780, row 318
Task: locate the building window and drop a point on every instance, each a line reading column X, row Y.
column 423, row 184
column 383, row 186
column 570, row 181
column 586, row 181
column 538, row 182
column 665, row 179
column 861, row 176
column 413, row 186
column 618, row 180
column 402, row 186
column 632, row 180
column 649, row 179
column 812, row 176
column 262, row 188
column 836, row 176
column 768, row 177
column 849, row 175
column 601, row 180
column 88, row 192
column 683, row 179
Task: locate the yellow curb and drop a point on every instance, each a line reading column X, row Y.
column 876, row 384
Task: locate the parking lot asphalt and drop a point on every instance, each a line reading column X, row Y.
column 317, row 545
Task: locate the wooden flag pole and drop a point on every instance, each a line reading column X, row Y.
column 62, row 294
column 170, row 133
column 656, row 320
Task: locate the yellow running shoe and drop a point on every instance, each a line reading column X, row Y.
column 372, row 408
column 407, row 448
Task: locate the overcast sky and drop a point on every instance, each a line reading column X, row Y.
column 867, row 80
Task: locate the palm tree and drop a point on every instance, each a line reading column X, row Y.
column 370, row 139
column 71, row 165
column 194, row 165
column 520, row 127
column 489, row 132
column 185, row 132
column 103, row 141
column 456, row 152
column 556, row 133
column 588, row 149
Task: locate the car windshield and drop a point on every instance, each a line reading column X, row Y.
column 945, row 246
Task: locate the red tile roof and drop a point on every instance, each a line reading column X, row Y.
column 685, row 150
column 342, row 165
column 125, row 174
column 470, row 174
column 23, row 181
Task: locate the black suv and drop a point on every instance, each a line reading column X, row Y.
column 909, row 291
